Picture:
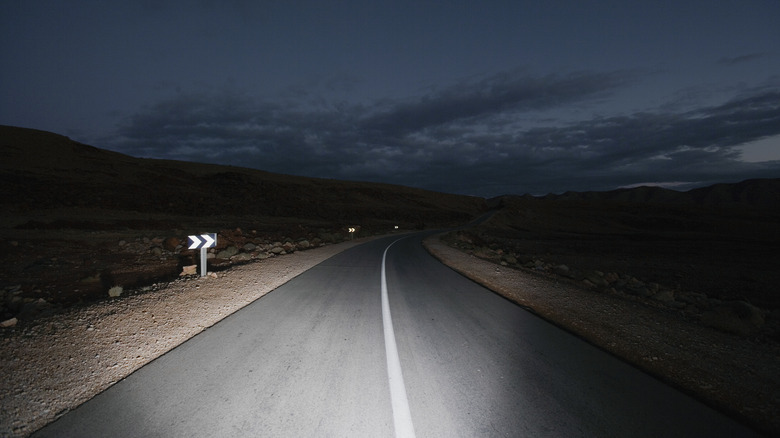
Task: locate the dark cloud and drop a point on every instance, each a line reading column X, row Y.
column 470, row 138
column 491, row 96
column 741, row 58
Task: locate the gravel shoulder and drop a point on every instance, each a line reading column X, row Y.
column 64, row 360
column 734, row 374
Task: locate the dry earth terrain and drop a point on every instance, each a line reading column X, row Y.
column 54, row 363
column 683, row 285
column 77, row 220
column 736, row 374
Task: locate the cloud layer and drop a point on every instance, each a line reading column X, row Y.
column 506, row 133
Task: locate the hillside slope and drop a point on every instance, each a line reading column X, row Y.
column 45, row 171
column 754, row 194
column 722, row 241
column 76, row 220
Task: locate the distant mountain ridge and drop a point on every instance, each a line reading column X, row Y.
column 762, row 194
column 40, row 169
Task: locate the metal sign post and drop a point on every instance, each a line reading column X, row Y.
column 203, row 252
column 203, row 241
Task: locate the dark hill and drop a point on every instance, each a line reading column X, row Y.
column 76, row 220
column 45, row 171
column 722, row 240
column 758, row 194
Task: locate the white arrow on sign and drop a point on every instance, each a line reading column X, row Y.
column 203, row 241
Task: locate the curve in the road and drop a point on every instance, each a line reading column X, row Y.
column 307, row 360
column 402, row 416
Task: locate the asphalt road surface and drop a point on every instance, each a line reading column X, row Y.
column 314, row 359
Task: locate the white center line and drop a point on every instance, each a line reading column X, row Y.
column 402, row 417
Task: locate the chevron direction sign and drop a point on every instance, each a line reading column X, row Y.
column 203, row 241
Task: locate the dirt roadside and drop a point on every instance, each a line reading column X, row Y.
column 61, row 361
column 736, row 375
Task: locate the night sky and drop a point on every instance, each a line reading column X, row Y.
column 473, row 97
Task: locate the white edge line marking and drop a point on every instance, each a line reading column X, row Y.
column 402, row 416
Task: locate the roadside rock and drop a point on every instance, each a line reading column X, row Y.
column 564, row 271
column 611, row 277
column 9, row 322
column 664, row 296
column 596, row 278
column 243, row 257
column 227, row 253
column 736, row 317
column 171, row 243
column 693, row 298
column 637, row 287
column 328, row 237
column 32, row 309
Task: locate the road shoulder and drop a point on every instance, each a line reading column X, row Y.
column 63, row 360
column 735, row 375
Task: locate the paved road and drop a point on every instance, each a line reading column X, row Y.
column 311, row 360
